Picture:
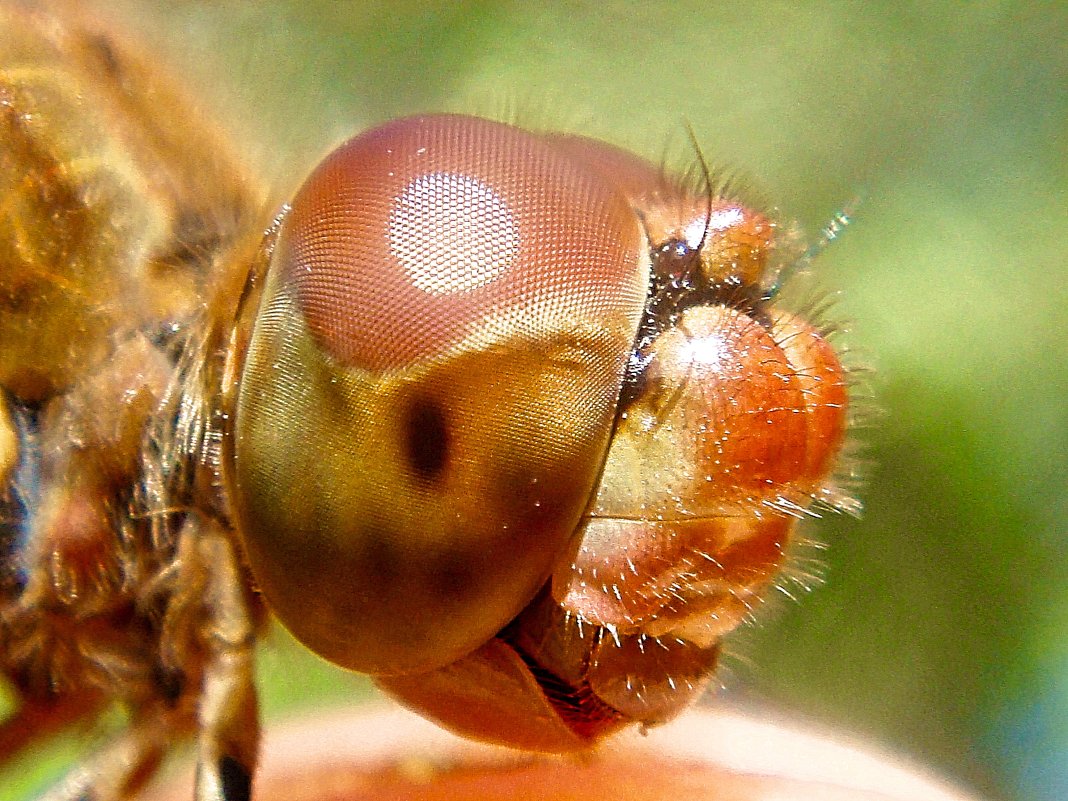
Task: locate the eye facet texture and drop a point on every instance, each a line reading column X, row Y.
column 430, row 386
column 418, row 235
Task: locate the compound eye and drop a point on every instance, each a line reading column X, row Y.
column 430, row 386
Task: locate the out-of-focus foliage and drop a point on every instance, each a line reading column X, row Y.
column 942, row 628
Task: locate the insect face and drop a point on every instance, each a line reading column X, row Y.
column 519, row 405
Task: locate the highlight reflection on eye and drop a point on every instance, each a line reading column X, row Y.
column 452, row 233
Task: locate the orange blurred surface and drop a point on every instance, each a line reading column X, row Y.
column 706, row 755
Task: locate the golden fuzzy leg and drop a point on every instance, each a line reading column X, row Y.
column 228, row 722
column 207, row 619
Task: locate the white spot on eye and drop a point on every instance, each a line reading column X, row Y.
column 452, row 233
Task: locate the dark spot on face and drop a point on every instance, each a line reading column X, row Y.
column 235, row 779
column 427, row 439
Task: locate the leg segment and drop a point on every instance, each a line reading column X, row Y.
column 227, row 716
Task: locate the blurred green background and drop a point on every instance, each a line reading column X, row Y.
column 941, row 631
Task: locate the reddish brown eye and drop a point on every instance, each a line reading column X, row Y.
column 409, row 238
column 430, row 386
